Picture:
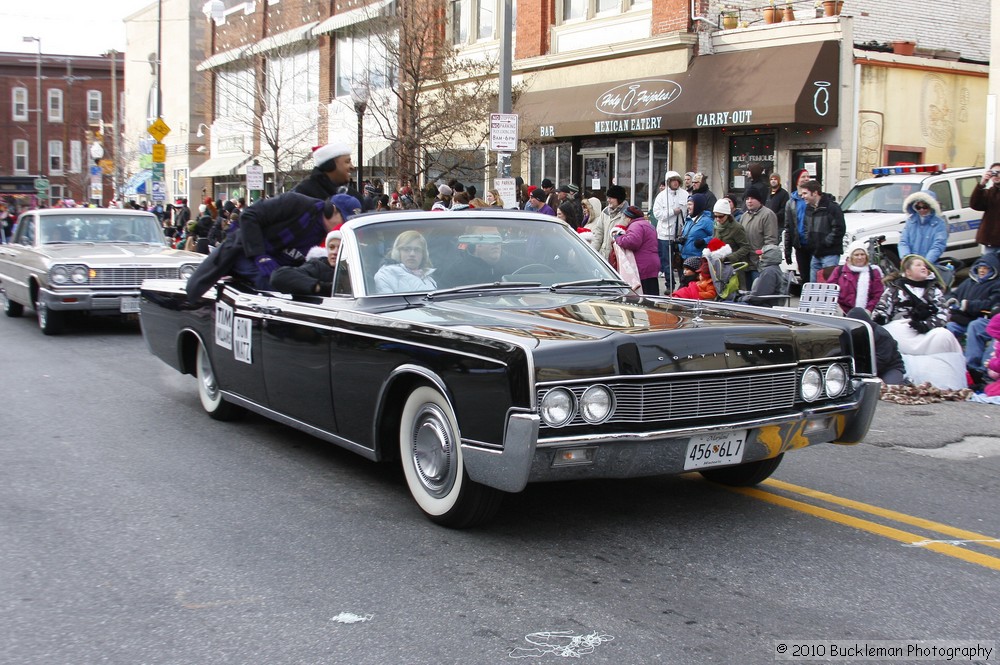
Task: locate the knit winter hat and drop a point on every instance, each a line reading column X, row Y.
column 722, row 207
column 632, row 212
column 692, row 264
column 617, row 192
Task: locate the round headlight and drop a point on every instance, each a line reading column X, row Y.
column 596, row 404
column 79, row 275
column 186, row 271
column 836, row 380
column 558, row 407
column 812, row 384
column 60, row 275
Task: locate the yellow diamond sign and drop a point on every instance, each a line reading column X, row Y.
column 158, row 129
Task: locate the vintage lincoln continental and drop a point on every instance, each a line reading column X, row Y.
column 488, row 349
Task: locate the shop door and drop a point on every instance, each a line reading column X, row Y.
column 596, row 173
column 810, row 160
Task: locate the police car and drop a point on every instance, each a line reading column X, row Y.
column 874, row 207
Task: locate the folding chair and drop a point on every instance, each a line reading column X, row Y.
column 820, row 298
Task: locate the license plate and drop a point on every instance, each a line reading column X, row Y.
column 130, row 304
column 717, row 449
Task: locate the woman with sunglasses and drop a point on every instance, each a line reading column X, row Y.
column 926, row 232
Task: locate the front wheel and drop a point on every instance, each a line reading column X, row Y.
column 208, row 390
column 50, row 322
column 11, row 308
column 431, row 452
column 744, row 475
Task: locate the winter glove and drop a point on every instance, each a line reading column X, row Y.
column 266, row 265
column 921, row 311
column 921, row 326
column 700, row 243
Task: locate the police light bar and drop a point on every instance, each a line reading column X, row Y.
column 900, row 169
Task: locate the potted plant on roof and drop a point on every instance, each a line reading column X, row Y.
column 771, row 13
column 832, row 7
column 789, row 12
column 730, row 17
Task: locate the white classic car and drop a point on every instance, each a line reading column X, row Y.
column 85, row 259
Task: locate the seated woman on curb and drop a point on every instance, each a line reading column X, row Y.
column 913, row 310
column 409, row 268
column 860, row 282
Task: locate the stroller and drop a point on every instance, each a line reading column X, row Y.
column 726, row 277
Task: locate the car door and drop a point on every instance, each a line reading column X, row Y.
column 957, row 214
column 236, row 350
column 19, row 259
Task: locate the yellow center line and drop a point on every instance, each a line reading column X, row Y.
column 920, row 522
column 869, row 526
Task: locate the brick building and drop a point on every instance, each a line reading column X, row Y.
column 77, row 123
column 620, row 91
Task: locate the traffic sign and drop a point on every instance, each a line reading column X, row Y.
column 41, row 185
column 503, row 132
column 158, row 129
column 107, row 166
column 255, row 177
column 159, row 152
column 507, row 188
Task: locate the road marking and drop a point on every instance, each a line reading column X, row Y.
column 959, row 534
column 869, row 526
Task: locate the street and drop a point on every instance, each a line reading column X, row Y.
column 135, row 529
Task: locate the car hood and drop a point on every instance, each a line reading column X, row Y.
column 865, row 223
column 137, row 254
column 630, row 335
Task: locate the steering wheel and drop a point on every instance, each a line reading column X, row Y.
column 533, row 268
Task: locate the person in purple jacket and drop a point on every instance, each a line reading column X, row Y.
column 640, row 237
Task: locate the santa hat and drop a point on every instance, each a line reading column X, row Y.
column 585, row 233
column 717, row 249
column 319, row 251
column 324, row 153
column 334, row 234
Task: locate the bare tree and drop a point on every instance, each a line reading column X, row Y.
column 435, row 108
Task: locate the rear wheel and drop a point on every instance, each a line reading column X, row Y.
column 11, row 308
column 208, row 390
column 744, row 475
column 51, row 322
column 431, row 453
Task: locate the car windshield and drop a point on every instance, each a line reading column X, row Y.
column 70, row 227
column 878, row 196
column 427, row 254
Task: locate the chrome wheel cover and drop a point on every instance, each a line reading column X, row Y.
column 432, row 449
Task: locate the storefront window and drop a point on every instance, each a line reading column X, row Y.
column 743, row 150
column 552, row 161
column 641, row 166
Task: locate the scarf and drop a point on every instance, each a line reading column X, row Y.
column 864, row 278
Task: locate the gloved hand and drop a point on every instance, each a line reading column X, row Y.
column 921, row 311
column 266, row 265
column 921, row 326
column 700, row 243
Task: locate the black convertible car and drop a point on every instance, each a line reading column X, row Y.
column 488, row 349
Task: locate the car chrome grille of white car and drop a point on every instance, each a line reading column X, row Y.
column 128, row 276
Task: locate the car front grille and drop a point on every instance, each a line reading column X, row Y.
column 706, row 396
column 129, row 276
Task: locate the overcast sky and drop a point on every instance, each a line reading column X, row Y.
column 66, row 27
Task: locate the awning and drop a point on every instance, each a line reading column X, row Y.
column 372, row 148
column 220, row 166
column 776, row 85
column 352, row 17
column 137, row 183
column 301, row 33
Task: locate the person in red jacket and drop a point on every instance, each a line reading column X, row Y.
column 697, row 281
column 987, row 201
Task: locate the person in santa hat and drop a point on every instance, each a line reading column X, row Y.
column 315, row 276
column 331, row 174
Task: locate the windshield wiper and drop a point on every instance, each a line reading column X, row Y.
column 480, row 287
column 871, row 210
column 601, row 282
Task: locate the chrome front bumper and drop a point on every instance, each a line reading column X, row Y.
column 95, row 301
column 629, row 455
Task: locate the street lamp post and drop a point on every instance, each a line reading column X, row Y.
column 38, row 102
column 359, row 95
